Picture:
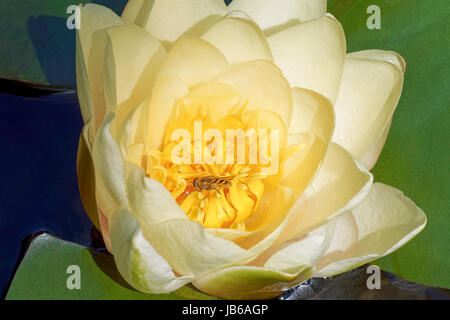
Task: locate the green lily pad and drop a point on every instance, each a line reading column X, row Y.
column 416, row 156
column 36, row 45
column 45, row 274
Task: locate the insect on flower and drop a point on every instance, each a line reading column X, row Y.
column 212, row 182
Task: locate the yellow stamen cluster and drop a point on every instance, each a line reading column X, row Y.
column 217, row 195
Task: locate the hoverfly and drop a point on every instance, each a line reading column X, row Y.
column 209, row 183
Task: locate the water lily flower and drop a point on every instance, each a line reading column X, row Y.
column 235, row 230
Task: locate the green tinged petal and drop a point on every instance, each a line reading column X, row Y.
column 136, row 260
column 248, row 282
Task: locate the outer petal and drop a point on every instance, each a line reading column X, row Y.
column 274, row 15
column 133, row 129
column 239, row 40
column 109, row 174
column 132, row 59
column 86, row 174
column 135, row 10
column 186, row 16
column 263, row 84
column 194, row 60
column 341, row 184
column 248, row 282
column 149, row 200
column 311, row 55
column 371, row 86
column 379, row 225
column 91, row 42
column 83, row 85
column 190, row 250
column 304, row 250
column 371, row 156
column 137, row 261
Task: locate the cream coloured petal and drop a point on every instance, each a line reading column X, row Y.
column 341, row 184
column 383, row 222
column 194, row 60
column 190, row 250
column 342, row 181
column 239, row 40
column 304, row 250
column 109, row 172
column 313, row 113
column 381, row 55
column 167, row 89
column 168, row 20
column 136, row 10
column 303, row 161
column 137, row 261
column 146, row 124
column 274, row 15
column 311, row 129
column 85, row 174
column 262, row 83
column 219, row 99
column 371, row 156
column 149, row 200
column 83, row 85
column 371, row 86
column 311, row 55
column 91, row 42
column 269, row 221
column 132, row 58
column 134, row 128
column 228, row 234
column 249, row 282
column 276, row 129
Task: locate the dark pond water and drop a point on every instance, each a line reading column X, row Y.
column 38, row 190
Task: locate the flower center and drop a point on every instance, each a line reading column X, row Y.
column 216, row 170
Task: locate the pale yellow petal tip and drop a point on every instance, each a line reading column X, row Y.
column 391, row 57
column 382, row 223
column 239, row 38
column 331, row 16
column 97, row 11
column 275, row 15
